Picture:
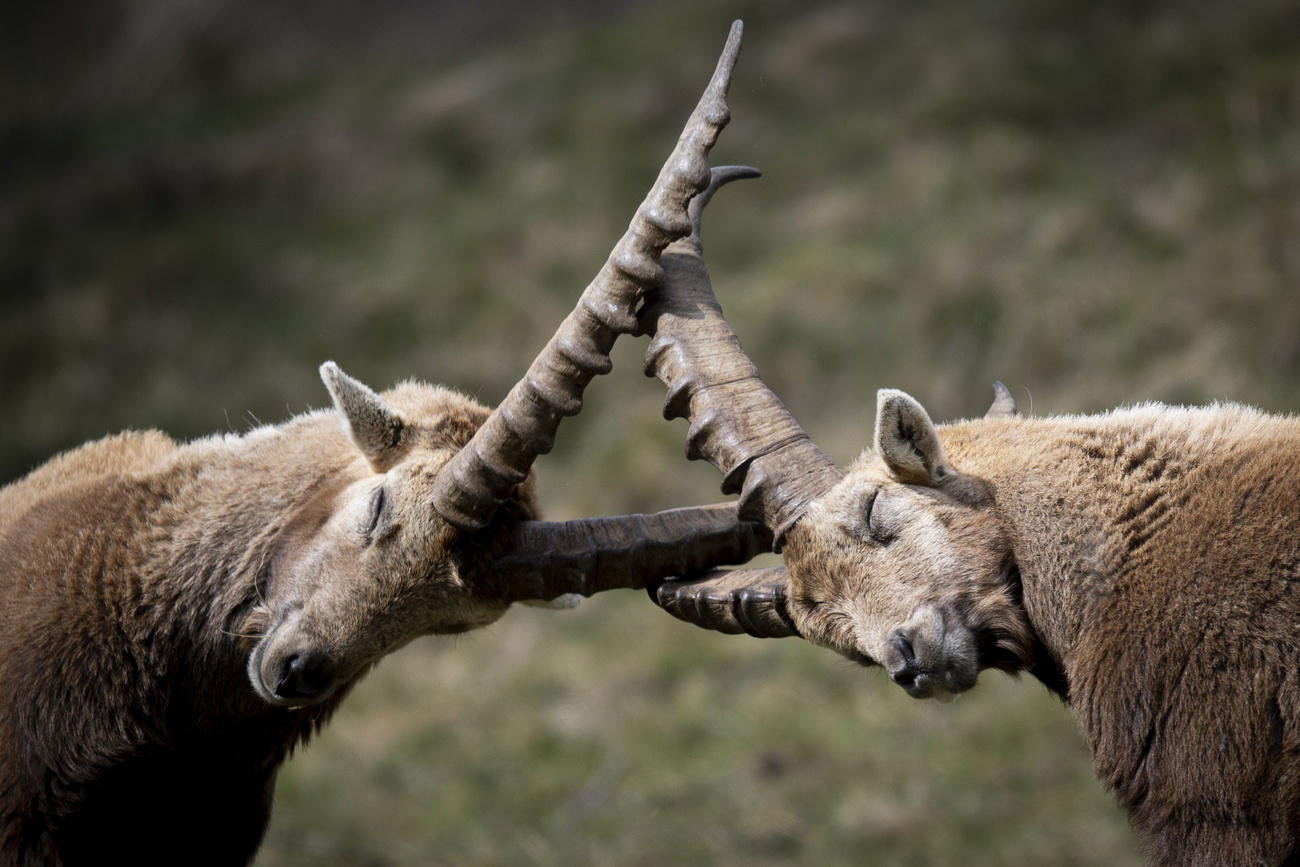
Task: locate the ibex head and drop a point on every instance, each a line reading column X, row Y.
column 899, row 562
column 904, row 561
column 368, row 564
column 428, row 527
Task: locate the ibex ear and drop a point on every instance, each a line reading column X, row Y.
column 907, row 441
column 374, row 428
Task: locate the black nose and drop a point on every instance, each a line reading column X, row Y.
column 305, row 675
column 904, row 675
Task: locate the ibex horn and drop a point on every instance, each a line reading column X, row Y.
column 586, row 556
column 480, row 477
column 737, row 423
column 750, row 601
column 1004, row 404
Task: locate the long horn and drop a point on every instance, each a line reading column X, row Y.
column 737, row 423
column 482, row 475
column 750, row 601
column 586, row 556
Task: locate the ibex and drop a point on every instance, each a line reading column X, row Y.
column 176, row 618
column 1143, row 563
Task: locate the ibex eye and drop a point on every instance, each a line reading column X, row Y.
column 879, row 528
column 376, row 512
column 869, row 508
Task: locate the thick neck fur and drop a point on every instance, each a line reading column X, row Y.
column 1159, row 550
column 1093, row 503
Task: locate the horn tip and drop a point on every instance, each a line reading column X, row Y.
column 1004, row 404
column 736, row 33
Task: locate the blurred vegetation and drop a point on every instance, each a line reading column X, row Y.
column 1097, row 203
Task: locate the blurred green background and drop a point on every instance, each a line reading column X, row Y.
column 1097, row 203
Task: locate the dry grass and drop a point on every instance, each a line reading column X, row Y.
column 537, row 743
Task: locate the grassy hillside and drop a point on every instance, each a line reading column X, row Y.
column 199, row 204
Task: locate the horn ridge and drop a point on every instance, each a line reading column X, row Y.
column 468, row 491
column 732, row 601
column 736, row 422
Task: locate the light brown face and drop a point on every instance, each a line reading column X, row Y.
column 368, row 564
column 362, row 572
column 904, row 564
column 904, row 576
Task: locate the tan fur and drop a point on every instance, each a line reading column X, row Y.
column 1145, row 562
column 139, row 577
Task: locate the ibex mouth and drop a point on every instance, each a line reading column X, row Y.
column 291, row 678
column 932, row 655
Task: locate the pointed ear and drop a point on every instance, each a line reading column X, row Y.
column 373, row 426
column 907, row 441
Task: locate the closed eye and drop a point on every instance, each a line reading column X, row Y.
column 878, row 527
column 376, row 512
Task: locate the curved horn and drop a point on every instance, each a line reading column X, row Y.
column 752, row 601
column 737, row 423
column 482, row 475
column 551, row 558
column 1004, row 404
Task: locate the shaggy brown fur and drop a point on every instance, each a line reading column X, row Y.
column 1148, row 562
column 137, row 575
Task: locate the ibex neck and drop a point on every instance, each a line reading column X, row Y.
column 1096, row 507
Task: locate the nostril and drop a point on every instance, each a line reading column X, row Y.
column 905, row 674
column 904, row 646
column 304, row 675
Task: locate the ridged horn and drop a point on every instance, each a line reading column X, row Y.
column 736, row 422
column 590, row 555
column 749, row 601
column 482, row 475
